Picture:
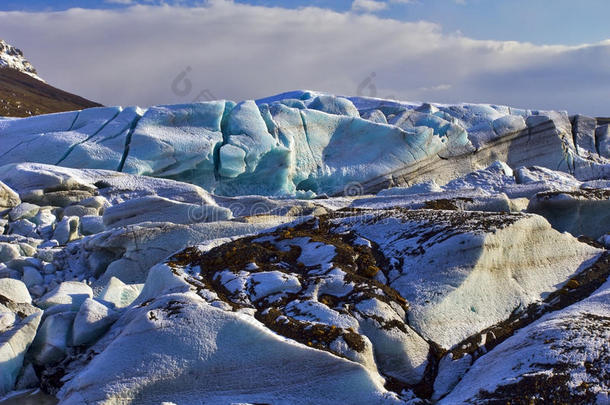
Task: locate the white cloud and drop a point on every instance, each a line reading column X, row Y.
column 368, row 5
column 438, row 87
column 237, row 51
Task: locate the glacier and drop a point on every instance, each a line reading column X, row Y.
column 304, row 248
column 306, row 143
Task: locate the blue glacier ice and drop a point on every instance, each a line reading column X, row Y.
column 334, row 105
column 177, row 141
column 299, row 142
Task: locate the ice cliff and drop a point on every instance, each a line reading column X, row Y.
column 307, row 143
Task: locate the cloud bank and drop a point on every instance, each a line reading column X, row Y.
column 169, row 54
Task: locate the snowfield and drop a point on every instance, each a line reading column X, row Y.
column 305, row 248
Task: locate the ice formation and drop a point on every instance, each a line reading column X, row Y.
column 304, row 248
column 307, row 142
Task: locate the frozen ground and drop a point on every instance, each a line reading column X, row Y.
column 304, row 248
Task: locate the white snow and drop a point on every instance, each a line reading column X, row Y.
column 72, row 293
column 14, row 290
column 91, row 321
column 93, row 203
column 214, row 356
column 569, row 337
column 11, row 57
column 460, row 281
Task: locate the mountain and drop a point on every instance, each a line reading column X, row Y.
column 23, row 93
column 305, row 248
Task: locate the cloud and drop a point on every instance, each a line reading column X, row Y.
column 438, row 87
column 135, row 55
column 368, row 5
column 126, row 2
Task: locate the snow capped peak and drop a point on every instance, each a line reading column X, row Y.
column 11, row 57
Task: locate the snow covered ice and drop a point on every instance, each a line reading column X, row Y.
column 305, row 248
column 307, row 142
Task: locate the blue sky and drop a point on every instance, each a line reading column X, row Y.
column 539, row 54
column 538, row 21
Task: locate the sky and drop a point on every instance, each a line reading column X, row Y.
column 542, row 54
